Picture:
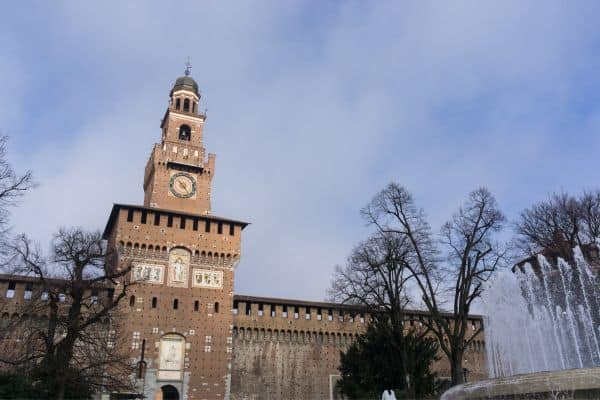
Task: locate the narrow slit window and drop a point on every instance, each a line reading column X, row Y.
column 131, row 301
column 217, row 307
column 156, row 219
column 154, row 301
column 182, row 223
column 129, row 215
column 175, row 304
column 207, row 227
column 144, row 216
column 170, row 221
column 195, row 224
column 196, row 305
column 220, row 228
column 231, row 229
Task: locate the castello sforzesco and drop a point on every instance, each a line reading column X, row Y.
column 192, row 337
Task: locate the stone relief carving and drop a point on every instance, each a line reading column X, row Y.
column 171, row 357
column 207, row 278
column 151, row 273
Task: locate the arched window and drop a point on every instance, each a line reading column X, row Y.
column 178, row 104
column 185, row 132
column 217, row 307
column 175, row 304
column 186, row 105
column 131, row 301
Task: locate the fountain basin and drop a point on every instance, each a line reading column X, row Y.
column 581, row 383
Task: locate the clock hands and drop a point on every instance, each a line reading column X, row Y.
column 182, row 185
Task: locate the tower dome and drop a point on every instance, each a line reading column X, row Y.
column 186, row 83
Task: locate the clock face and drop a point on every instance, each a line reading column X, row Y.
column 182, row 185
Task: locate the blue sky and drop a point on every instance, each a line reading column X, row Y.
column 312, row 108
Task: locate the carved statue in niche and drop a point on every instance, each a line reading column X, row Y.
column 178, row 273
column 179, row 263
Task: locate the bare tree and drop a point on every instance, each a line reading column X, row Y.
column 78, row 291
column 12, row 186
column 589, row 206
column 451, row 280
column 557, row 225
column 473, row 254
column 374, row 278
column 553, row 224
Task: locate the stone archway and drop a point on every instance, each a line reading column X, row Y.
column 169, row 392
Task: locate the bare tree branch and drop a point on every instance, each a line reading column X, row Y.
column 75, row 305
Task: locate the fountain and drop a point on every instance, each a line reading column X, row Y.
column 542, row 332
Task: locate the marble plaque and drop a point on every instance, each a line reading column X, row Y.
column 150, row 273
column 171, row 354
column 207, row 278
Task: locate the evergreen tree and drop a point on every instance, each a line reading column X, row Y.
column 374, row 362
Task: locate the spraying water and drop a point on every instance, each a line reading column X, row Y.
column 544, row 317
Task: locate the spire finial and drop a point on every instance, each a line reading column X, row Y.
column 188, row 67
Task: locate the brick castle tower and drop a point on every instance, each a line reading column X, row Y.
column 178, row 313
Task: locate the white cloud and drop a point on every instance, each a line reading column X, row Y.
column 311, row 113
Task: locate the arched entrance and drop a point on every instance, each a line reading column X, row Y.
column 169, row 392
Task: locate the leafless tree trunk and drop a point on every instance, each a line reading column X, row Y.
column 449, row 280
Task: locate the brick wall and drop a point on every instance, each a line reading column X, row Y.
column 290, row 349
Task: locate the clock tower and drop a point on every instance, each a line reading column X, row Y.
column 179, row 173
column 178, row 311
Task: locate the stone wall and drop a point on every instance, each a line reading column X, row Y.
column 272, row 370
column 289, row 349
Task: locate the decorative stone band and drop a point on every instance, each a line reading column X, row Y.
column 572, row 384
